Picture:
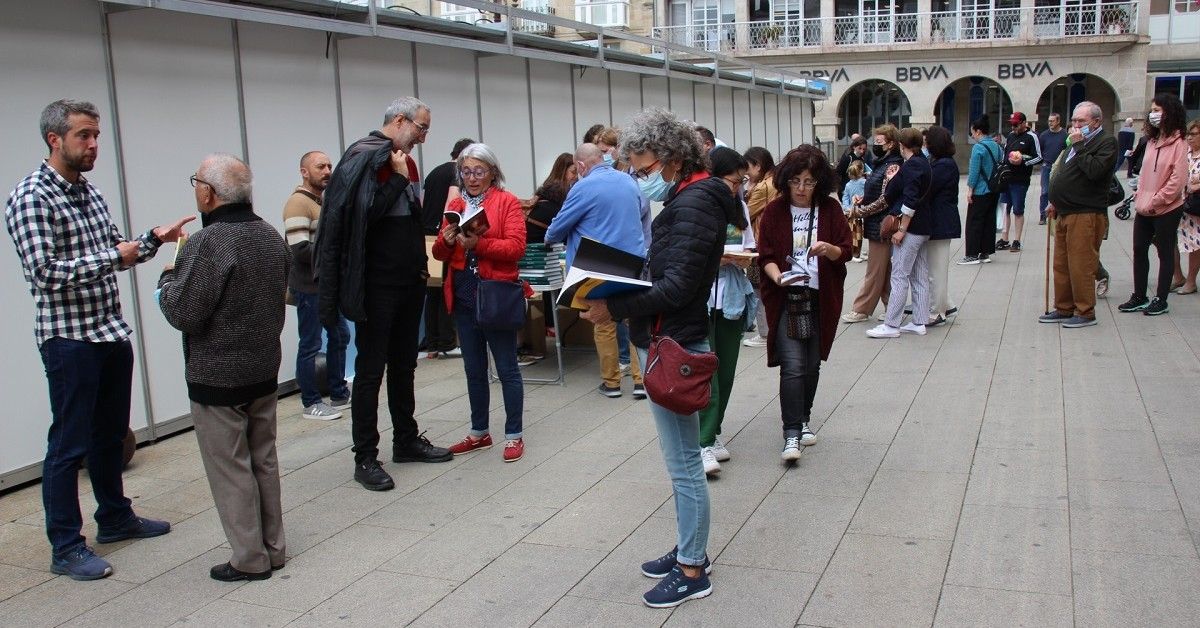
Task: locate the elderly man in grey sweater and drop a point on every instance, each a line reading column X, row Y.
column 226, row 294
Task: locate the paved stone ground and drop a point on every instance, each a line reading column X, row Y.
column 995, row 472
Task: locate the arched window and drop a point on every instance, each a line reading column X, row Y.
column 869, row 104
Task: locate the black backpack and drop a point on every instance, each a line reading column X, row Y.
column 1001, row 173
column 1116, row 192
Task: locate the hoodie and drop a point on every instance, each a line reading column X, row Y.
column 1164, row 171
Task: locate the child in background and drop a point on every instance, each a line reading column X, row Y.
column 851, row 197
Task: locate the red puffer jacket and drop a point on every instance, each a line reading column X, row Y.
column 499, row 247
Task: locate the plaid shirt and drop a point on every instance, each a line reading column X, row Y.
column 67, row 244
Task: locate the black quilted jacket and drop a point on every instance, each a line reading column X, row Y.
column 688, row 238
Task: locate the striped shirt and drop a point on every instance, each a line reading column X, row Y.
column 66, row 241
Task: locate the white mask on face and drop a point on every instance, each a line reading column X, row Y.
column 1155, row 118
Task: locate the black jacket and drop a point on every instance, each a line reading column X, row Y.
column 911, row 188
column 1081, row 185
column 943, row 200
column 354, row 199
column 685, row 251
column 843, row 165
column 872, row 190
column 1029, row 146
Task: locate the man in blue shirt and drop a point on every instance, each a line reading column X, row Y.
column 604, row 205
column 1053, row 141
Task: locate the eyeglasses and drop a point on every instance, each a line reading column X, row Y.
column 806, row 183
column 478, row 173
column 737, row 180
column 423, row 128
column 642, row 173
column 194, row 180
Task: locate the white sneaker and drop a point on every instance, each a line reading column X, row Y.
column 912, row 328
column 624, row 368
column 882, row 315
column 807, row 438
column 755, row 341
column 856, row 260
column 456, row 352
column 883, row 331
column 711, row 466
column 854, row 317
column 322, row 411
column 719, row 450
column 791, row 449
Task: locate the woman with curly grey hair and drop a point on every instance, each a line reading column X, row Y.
column 688, row 239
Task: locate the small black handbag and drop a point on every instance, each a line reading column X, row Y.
column 1191, row 204
column 500, row 304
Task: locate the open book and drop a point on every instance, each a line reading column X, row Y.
column 475, row 222
column 600, row 271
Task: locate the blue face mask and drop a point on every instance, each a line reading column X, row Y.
column 925, row 151
column 608, row 159
column 1087, row 131
column 654, row 187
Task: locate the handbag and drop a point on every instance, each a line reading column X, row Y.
column 675, row 378
column 889, row 227
column 1116, row 192
column 1191, row 204
column 499, row 304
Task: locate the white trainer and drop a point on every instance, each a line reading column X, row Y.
column 755, row 341
column 711, row 466
column 807, row 438
column 719, row 450
column 913, row 328
column 791, row 449
column 883, row 331
column 854, row 317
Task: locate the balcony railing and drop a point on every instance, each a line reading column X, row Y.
column 469, row 15
column 608, row 13
column 1027, row 25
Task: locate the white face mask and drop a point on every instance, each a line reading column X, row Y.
column 1155, row 118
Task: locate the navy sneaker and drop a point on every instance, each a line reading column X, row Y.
column 137, row 528
column 1053, row 316
column 81, row 564
column 676, row 589
column 661, row 567
column 1157, row 306
column 1135, row 303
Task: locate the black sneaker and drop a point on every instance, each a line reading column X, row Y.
column 1157, row 306
column 639, row 391
column 373, row 477
column 228, row 573
column 1001, row 244
column 1134, row 304
column 136, row 528
column 661, row 567
column 609, row 392
column 1015, row 247
column 420, row 449
column 677, row 588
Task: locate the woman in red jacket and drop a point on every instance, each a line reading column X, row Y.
column 487, row 249
column 803, row 304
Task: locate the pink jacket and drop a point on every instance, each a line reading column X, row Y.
column 1164, row 171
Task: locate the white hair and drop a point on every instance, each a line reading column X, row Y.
column 229, row 177
column 406, row 106
column 483, row 153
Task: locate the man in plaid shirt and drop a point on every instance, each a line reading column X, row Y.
column 71, row 251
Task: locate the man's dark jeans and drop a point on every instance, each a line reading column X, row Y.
column 89, row 403
column 310, row 326
column 386, row 339
column 439, row 326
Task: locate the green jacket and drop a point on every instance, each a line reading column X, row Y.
column 1080, row 185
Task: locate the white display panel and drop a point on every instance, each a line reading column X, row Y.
column 177, row 92
column 706, row 113
column 741, row 118
column 626, row 96
column 682, row 101
column 506, row 120
column 554, row 128
column 654, row 92
column 724, row 126
column 372, row 73
column 291, row 108
column 591, row 102
column 446, row 82
column 758, row 123
column 771, row 118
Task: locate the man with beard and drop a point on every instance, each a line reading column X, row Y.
column 71, row 253
column 301, row 214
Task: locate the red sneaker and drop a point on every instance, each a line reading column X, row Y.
column 514, row 449
column 470, row 444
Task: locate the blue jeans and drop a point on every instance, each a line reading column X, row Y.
column 679, row 440
column 89, row 404
column 1016, row 198
column 622, row 342
column 475, row 342
column 1045, row 198
column 309, row 323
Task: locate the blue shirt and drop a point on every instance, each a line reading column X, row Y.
column 605, row 206
column 980, row 169
column 1052, row 145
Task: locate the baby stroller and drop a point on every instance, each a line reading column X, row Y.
column 1122, row 211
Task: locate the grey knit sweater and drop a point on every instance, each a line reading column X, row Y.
column 226, row 295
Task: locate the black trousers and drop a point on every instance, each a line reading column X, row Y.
column 387, row 339
column 1163, row 231
column 799, row 373
column 981, row 225
column 439, row 326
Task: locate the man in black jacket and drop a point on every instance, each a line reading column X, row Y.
column 1079, row 200
column 1024, row 151
column 371, row 266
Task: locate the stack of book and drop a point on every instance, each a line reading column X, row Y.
column 542, row 266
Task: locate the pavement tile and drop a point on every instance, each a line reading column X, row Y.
column 1098, row 454
column 224, row 613
column 600, row 518
column 911, row 504
column 879, row 581
column 514, row 590
column 1017, row 549
column 561, row 479
column 1027, row 478
column 938, row 446
column 577, row 612
column 24, row 546
column 14, row 580
column 1105, row 494
column 57, row 600
column 1117, row 589
column 972, row 606
column 813, row 525
column 1159, row 532
column 379, row 596
column 144, row 559
column 742, row 595
column 834, row 468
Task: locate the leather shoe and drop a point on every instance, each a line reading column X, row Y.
column 420, row 449
column 228, row 573
column 373, row 477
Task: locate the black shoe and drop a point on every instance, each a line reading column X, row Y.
column 228, row 573
column 373, row 477
column 1015, row 247
column 1042, row 221
column 1135, row 303
column 1001, row 245
column 1157, row 306
column 420, row 449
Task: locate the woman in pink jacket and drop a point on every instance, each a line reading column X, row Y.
column 1157, row 202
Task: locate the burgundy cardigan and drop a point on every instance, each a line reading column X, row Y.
column 775, row 243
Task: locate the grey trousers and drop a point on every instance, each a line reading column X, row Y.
column 910, row 266
column 237, row 445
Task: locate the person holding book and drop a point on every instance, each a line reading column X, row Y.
column 759, row 191
column 804, row 275
column 732, row 306
column 484, row 244
column 685, row 252
column 604, row 205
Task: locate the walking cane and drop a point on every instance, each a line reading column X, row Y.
column 1046, row 291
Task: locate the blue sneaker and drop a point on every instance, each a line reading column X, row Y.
column 676, row 589
column 661, row 567
column 137, row 528
column 81, row 564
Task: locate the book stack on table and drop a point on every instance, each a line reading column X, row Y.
column 542, row 266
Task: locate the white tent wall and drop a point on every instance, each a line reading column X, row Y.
column 180, row 86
